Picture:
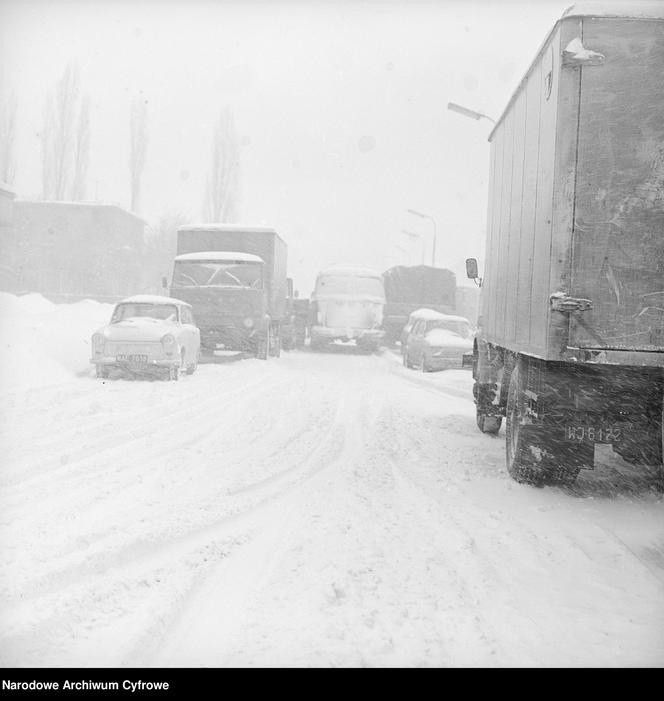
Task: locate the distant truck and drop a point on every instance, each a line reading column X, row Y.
column 234, row 277
column 347, row 305
column 408, row 288
column 570, row 347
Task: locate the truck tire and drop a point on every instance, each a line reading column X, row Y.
column 643, row 454
column 487, row 422
column 644, row 447
column 316, row 344
column 275, row 342
column 101, row 371
column 262, row 347
column 191, row 369
column 531, row 455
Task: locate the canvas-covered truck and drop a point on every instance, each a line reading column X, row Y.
column 570, row 347
column 234, row 277
column 408, row 288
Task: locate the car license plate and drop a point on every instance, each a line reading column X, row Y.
column 133, row 359
column 593, row 434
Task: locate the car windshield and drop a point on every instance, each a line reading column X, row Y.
column 217, row 274
column 350, row 285
column 456, row 326
column 165, row 312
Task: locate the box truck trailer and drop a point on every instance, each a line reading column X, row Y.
column 570, row 346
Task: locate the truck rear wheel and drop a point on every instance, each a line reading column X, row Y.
column 487, row 422
column 532, row 456
column 275, row 342
column 644, row 446
column 262, row 348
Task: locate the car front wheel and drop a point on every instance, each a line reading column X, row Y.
column 191, row 369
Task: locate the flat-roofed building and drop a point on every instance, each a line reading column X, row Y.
column 70, row 250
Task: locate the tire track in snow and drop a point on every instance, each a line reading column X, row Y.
column 148, row 556
column 131, row 429
column 202, row 438
column 196, row 633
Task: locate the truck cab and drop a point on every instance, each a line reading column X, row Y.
column 234, row 277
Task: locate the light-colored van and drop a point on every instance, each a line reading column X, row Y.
column 348, row 304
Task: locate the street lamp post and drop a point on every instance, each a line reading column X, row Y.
column 412, row 235
column 432, row 220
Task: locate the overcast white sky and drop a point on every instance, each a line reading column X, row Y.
column 341, row 108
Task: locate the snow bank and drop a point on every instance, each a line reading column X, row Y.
column 45, row 343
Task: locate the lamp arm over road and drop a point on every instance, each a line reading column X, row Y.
column 433, row 221
column 468, row 113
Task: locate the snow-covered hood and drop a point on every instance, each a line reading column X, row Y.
column 442, row 338
column 138, row 329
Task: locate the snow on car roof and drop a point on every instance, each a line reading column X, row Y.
column 433, row 315
column 221, row 256
column 228, row 227
column 152, row 299
column 349, row 269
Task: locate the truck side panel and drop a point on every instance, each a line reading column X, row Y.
column 501, row 280
column 514, row 242
column 619, row 216
column 491, row 269
column 540, row 289
column 524, row 310
column 518, row 287
column 483, row 310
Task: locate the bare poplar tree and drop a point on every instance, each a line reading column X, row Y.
column 137, row 148
column 221, row 201
column 81, row 151
column 8, row 141
column 161, row 247
column 65, row 139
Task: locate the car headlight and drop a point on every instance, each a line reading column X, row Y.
column 98, row 342
column 169, row 343
column 248, row 322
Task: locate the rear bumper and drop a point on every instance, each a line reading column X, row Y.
column 451, row 363
column 151, row 362
column 230, row 337
column 348, row 334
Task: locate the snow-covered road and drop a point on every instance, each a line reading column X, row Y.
column 321, row 509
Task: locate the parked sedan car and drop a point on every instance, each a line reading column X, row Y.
column 437, row 342
column 422, row 313
column 148, row 334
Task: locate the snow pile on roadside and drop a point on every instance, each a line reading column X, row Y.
column 45, row 343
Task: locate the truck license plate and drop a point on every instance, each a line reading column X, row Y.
column 134, row 359
column 593, row 434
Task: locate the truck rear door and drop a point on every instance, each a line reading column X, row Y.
column 618, row 240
